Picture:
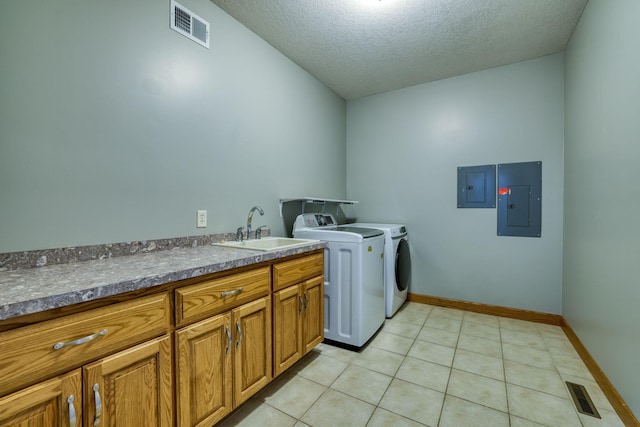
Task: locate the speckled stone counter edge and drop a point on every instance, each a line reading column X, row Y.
column 40, row 258
column 35, row 290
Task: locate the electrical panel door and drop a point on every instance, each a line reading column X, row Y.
column 477, row 186
column 520, row 199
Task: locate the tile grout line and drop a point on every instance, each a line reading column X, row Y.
column 455, row 350
column 393, row 377
column 328, row 387
column 504, row 372
column 555, row 366
column 377, row 405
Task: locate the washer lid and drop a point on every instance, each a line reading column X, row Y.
column 364, row 232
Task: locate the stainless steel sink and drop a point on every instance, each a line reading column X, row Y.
column 268, row 243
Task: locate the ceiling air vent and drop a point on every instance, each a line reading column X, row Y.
column 189, row 24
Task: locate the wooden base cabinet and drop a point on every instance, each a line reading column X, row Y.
column 221, row 362
column 298, row 322
column 114, row 365
column 129, row 388
column 53, row 403
column 48, row 369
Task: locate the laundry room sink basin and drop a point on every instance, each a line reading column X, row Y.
column 268, row 243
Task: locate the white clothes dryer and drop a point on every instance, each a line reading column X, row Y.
column 397, row 264
column 353, row 274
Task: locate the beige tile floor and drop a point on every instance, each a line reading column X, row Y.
column 433, row 366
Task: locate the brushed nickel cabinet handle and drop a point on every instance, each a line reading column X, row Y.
column 98, row 400
column 306, row 302
column 233, row 292
column 229, row 340
column 72, row 411
column 239, row 329
column 59, row 345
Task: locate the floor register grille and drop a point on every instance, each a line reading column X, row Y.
column 581, row 399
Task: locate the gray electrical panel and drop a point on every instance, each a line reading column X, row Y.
column 477, row 186
column 520, row 199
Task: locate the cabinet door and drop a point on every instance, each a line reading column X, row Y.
column 313, row 316
column 252, row 359
column 204, row 379
column 131, row 388
column 53, row 403
column 287, row 328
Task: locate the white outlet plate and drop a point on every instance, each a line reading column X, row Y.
column 201, row 219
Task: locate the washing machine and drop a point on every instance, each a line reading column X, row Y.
column 354, row 277
column 397, row 264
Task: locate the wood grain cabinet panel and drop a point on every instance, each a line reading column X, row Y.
column 313, row 315
column 204, row 372
column 196, row 302
column 297, row 270
column 131, row 388
column 28, row 353
column 53, row 403
column 287, row 328
column 252, row 367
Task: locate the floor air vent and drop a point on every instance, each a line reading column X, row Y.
column 582, row 400
column 189, row 24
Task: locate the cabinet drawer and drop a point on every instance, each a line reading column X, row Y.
column 210, row 297
column 297, row 270
column 29, row 354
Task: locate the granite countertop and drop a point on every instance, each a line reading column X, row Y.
column 34, row 290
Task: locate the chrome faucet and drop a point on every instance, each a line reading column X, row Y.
column 239, row 234
column 250, row 218
column 258, row 230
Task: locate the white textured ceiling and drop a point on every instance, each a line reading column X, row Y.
column 363, row 47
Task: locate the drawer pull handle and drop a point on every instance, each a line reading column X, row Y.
column 233, row 292
column 229, row 340
column 96, row 395
column 72, row 412
column 59, row 345
column 239, row 329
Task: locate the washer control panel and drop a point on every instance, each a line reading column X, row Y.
column 319, row 220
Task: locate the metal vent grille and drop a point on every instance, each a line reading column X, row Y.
column 581, row 399
column 189, row 24
column 200, row 30
column 182, row 19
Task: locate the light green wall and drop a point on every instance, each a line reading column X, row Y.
column 602, row 155
column 403, row 150
column 113, row 127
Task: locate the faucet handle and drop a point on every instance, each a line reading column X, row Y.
column 258, row 230
column 239, row 234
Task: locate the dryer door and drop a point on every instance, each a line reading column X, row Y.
column 403, row 265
